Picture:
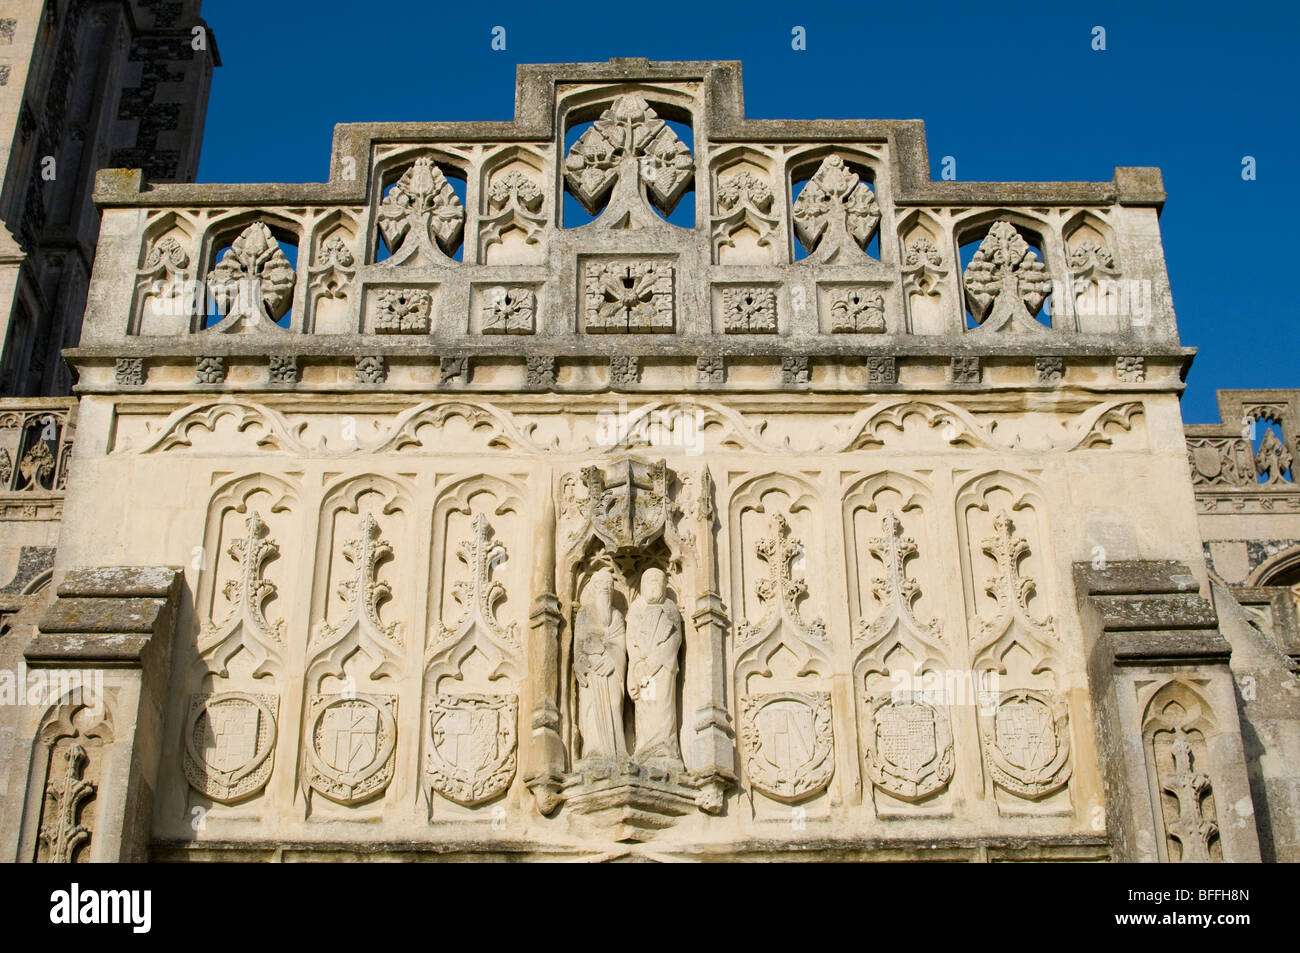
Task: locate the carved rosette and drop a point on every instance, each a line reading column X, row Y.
column 909, row 751
column 749, row 310
column 509, row 310
column 857, row 310
column 1027, row 741
column 471, row 748
column 229, row 743
column 351, row 745
column 628, row 297
column 402, row 311
column 787, row 743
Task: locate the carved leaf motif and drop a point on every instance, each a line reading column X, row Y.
column 1006, row 269
column 628, row 129
column 422, row 198
column 253, row 274
column 834, row 211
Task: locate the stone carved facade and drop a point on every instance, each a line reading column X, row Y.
column 780, row 535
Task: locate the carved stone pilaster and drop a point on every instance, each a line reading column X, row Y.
column 544, row 752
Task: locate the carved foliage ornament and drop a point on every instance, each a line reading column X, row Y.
column 514, row 200
column 362, row 595
column 351, row 745
column 629, row 139
column 424, row 204
column 1273, row 460
column 229, row 742
column 479, row 595
column 62, row 834
column 1006, row 284
column 787, row 743
column 1009, row 588
column 836, row 215
column 247, row 592
column 471, row 748
column 254, row 279
column 780, row 591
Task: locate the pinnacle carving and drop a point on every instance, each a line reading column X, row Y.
column 479, row 594
column 780, row 591
column 362, row 595
column 248, row 592
column 1008, row 587
column 896, row 591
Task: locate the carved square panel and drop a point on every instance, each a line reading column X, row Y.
column 859, row 308
column 400, row 310
column 628, row 295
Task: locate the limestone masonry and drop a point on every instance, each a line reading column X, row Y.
column 426, row 514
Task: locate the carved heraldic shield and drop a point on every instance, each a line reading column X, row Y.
column 471, row 748
column 788, row 743
column 909, row 753
column 1028, row 743
column 229, row 739
column 351, row 745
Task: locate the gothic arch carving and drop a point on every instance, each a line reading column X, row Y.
column 1178, row 728
column 360, row 543
column 249, row 518
column 514, row 213
column 66, row 768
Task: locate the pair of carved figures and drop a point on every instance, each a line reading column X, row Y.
column 639, row 653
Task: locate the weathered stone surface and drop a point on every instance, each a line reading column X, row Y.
column 629, row 538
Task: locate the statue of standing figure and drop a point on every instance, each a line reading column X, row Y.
column 654, row 641
column 600, row 664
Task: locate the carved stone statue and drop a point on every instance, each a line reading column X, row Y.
column 600, row 665
column 654, row 641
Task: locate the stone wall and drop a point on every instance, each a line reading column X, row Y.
column 853, row 519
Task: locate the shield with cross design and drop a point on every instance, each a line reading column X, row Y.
column 351, row 745
column 470, row 752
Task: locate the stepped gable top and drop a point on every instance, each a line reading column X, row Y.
column 724, row 117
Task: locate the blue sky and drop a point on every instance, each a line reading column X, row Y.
column 1013, row 91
